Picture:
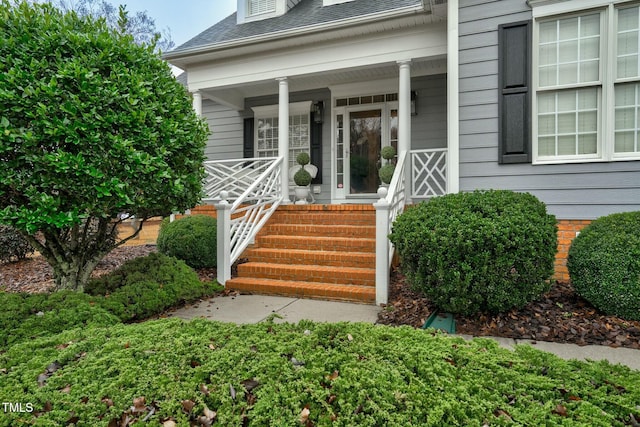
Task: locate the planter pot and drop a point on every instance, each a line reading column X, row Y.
column 301, row 194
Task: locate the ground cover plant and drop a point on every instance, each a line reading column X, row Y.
column 201, row 372
column 140, row 288
column 481, row 251
column 604, row 264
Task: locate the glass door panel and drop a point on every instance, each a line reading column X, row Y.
column 365, row 139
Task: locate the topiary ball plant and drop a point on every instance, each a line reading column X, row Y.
column 192, row 239
column 388, row 152
column 303, row 159
column 604, row 264
column 302, row 178
column 481, row 251
column 386, row 173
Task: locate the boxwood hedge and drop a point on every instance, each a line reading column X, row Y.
column 604, row 264
column 192, row 239
column 481, row 251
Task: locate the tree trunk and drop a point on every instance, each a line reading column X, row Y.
column 75, row 252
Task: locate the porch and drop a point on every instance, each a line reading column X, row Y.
column 327, row 251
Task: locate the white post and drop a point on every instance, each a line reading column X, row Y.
column 404, row 119
column 283, row 136
column 453, row 100
column 197, row 102
column 382, row 207
column 223, row 209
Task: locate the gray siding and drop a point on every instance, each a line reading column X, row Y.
column 429, row 126
column 571, row 191
column 225, row 124
column 315, row 96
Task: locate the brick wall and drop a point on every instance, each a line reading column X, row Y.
column 567, row 230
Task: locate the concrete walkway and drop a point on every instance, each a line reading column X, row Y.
column 243, row 309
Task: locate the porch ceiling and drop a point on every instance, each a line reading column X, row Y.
column 233, row 96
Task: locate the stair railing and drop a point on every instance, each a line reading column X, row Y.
column 241, row 214
column 388, row 207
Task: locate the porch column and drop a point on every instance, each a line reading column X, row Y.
column 453, row 100
column 404, row 121
column 283, row 135
column 197, row 102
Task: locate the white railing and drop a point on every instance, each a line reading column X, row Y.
column 250, row 191
column 428, row 173
column 390, row 205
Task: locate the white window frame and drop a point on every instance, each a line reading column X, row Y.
column 546, row 10
column 271, row 112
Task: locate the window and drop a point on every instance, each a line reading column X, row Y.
column 267, row 130
column 257, row 7
column 588, row 86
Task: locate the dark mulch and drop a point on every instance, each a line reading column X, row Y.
column 559, row 316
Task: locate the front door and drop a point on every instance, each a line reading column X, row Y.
column 364, row 144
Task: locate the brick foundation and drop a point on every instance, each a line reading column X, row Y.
column 567, row 230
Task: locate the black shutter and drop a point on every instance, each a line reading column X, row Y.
column 316, row 148
column 247, row 145
column 514, row 97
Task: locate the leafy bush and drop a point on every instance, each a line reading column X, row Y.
column 91, row 125
column 486, row 250
column 13, row 246
column 148, row 285
column 604, row 264
column 348, row 374
column 388, row 152
column 192, row 239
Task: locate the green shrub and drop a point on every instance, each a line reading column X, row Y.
column 26, row 316
column 302, row 178
column 386, row 173
column 13, row 246
column 604, row 264
column 191, row 239
column 303, row 158
column 388, row 152
column 148, row 285
column 480, row 251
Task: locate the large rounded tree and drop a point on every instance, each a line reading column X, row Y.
column 92, row 126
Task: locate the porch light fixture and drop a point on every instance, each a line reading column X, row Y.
column 318, row 112
column 414, row 103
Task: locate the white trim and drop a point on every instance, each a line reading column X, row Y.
column 298, row 31
column 332, row 2
column 453, row 100
column 295, row 108
column 542, row 8
column 606, row 85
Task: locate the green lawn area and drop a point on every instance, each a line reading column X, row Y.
column 305, row 374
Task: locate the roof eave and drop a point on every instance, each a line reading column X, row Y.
column 181, row 57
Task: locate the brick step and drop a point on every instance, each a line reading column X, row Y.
column 325, row 218
column 317, row 243
column 309, row 273
column 321, row 230
column 326, row 291
column 313, row 257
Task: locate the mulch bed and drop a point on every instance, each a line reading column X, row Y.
column 559, row 316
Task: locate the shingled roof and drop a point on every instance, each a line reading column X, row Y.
column 304, row 14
